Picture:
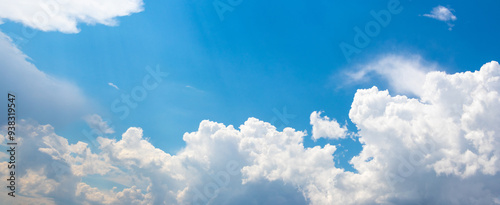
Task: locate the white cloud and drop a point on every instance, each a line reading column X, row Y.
column 64, row 15
column 442, row 13
column 34, row 183
column 405, row 75
column 96, row 123
column 444, row 140
column 41, row 96
column 439, row 149
column 114, row 86
column 50, row 170
column 93, row 195
column 324, row 127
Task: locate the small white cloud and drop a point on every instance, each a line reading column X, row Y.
column 442, row 13
column 326, row 128
column 194, row 89
column 405, row 74
column 113, row 85
column 96, row 123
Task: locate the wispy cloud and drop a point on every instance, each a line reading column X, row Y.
column 44, row 90
column 95, row 122
column 442, row 13
column 194, row 88
column 114, row 86
column 404, row 74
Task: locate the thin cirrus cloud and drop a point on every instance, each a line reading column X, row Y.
column 439, row 149
column 64, row 15
column 444, row 14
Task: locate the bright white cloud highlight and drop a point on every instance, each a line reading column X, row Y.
column 323, row 127
column 44, row 97
column 442, row 13
column 64, row 15
column 439, row 149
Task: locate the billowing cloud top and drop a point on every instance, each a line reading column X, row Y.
column 404, row 74
column 439, row 149
column 323, row 127
column 64, row 15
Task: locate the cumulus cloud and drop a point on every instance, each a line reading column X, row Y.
column 92, row 195
column 50, row 170
column 64, row 15
column 404, row 74
column 96, row 123
column 324, row 127
column 439, row 149
column 40, row 95
column 442, row 13
column 442, row 141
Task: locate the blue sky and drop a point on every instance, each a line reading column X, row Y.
column 262, row 58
